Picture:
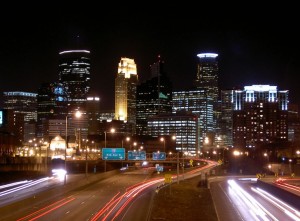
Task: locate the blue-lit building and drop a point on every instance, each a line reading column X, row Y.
column 51, row 104
column 260, row 116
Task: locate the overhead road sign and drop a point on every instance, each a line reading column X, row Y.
column 158, row 156
column 113, row 154
column 136, row 155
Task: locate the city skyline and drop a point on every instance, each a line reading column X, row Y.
column 248, row 52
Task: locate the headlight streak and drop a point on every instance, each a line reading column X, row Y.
column 256, row 209
column 14, row 184
column 3, row 193
column 279, row 204
column 113, row 208
column 235, row 197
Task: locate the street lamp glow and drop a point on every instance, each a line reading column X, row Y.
column 78, row 115
column 163, row 140
column 112, row 130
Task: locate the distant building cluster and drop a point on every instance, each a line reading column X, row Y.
column 190, row 121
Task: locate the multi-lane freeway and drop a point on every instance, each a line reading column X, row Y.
column 127, row 195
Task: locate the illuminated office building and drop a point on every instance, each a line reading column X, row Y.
column 93, row 112
column 21, row 109
column 199, row 103
column 260, row 116
column 153, row 96
column 51, row 103
column 207, row 78
column 183, row 125
column 226, row 118
column 74, row 74
column 125, row 91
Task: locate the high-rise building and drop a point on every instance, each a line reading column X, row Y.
column 93, row 112
column 125, row 91
column 199, row 103
column 183, row 125
column 74, row 74
column 294, row 124
column 260, row 116
column 51, row 103
column 207, row 78
column 21, row 109
column 226, row 119
column 153, row 96
column 208, row 74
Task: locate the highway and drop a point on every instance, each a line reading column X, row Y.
column 121, row 196
column 128, row 196
column 239, row 198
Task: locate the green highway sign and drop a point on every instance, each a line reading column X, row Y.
column 136, row 155
column 113, row 154
column 158, row 156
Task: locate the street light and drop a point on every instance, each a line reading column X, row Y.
column 163, row 140
column 127, row 139
column 77, row 114
column 112, row 130
column 86, row 155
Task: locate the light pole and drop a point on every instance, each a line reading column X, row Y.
column 112, row 130
column 174, row 138
column 86, row 155
column 127, row 139
column 77, row 114
column 163, row 140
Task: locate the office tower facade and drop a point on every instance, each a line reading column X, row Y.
column 182, row 125
column 153, row 96
column 207, row 78
column 199, row 103
column 74, row 74
column 93, row 112
column 21, row 108
column 21, row 102
column 294, row 124
column 125, row 91
column 226, row 119
column 260, row 116
column 51, row 103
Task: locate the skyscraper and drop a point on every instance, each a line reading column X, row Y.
column 21, row 110
column 207, row 78
column 207, row 74
column 51, row 103
column 125, row 91
column 197, row 102
column 74, row 74
column 93, row 112
column 259, row 116
column 153, row 96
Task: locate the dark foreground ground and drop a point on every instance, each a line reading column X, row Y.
column 189, row 200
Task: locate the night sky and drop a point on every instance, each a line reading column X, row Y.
column 253, row 48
